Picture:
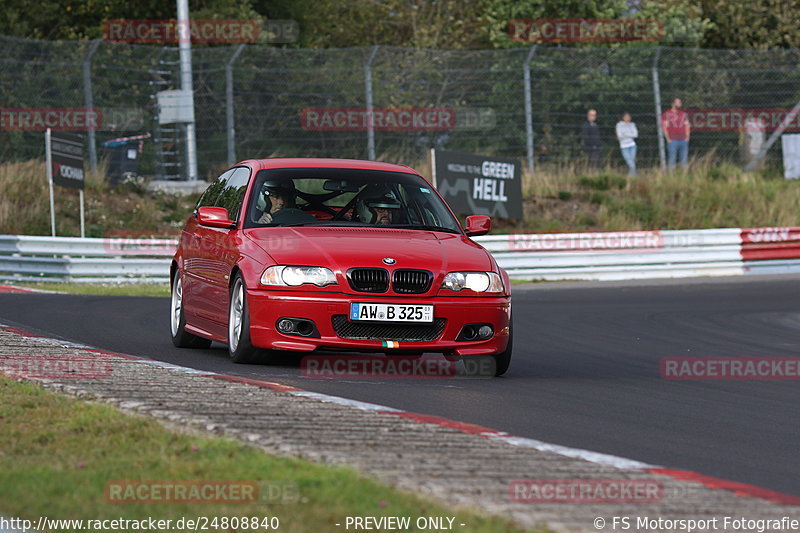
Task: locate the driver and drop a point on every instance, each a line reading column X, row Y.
column 377, row 206
column 277, row 195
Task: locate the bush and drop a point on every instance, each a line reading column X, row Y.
column 603, row 182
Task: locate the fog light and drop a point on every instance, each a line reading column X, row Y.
column 475, row 332
column 285, row 325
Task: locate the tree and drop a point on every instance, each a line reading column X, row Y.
column 83, row 19
column 413, row 23
column 758, row 24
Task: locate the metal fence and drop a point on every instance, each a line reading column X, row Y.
column 522, row 102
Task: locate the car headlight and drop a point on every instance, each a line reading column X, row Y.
column 474, row 281
column 294, row 276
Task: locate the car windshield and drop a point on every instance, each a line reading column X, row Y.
column 346, row 197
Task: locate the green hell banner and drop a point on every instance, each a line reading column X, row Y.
column 479, row 185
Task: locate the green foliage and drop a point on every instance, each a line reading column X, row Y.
column 83, row 19
column 598, row 198
column 420, row 24
column 447, row 24
column 708, row 196
column 59, row 454
column 760, row 24
column 24, row 206
column 497, row 13
column 683, row 21
column 603, row 182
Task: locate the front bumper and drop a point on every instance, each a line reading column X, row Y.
column 267, row 307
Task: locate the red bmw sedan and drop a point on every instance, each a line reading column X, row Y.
column 336, row 254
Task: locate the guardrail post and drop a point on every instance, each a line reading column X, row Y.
column 657, row 98
column 529, row 108
column 88, row 100
column 185, row 60
column 368, row 90
column 231, row 121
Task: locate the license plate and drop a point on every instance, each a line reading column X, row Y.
column 391, row 312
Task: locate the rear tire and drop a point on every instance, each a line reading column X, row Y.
column 240, row 349
column 180, row 337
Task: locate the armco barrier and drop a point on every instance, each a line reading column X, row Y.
column 618, row 255
column 550, row 256
column 114, row 259
column 771, row 250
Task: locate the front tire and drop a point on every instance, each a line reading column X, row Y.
column 502, row 360
column 177, row 320
column 240, row 349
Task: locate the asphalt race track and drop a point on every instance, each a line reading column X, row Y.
column 585, row 371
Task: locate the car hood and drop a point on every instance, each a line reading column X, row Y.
column 344, row 248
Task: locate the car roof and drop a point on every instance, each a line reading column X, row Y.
column 319, row 162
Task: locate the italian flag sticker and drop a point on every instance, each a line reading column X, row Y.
column 390, row 344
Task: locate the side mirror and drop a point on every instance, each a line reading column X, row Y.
column 215, row 217
column 478, row 225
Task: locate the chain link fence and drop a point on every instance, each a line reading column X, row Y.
column 262, row 101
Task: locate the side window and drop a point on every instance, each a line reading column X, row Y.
column 209, row 197
column 232, row 193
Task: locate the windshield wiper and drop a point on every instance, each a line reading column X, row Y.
column 425, row 228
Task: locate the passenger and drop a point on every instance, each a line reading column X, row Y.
column 378, row 207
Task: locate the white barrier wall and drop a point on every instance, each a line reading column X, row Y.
column 551, row 256
column 618, row 255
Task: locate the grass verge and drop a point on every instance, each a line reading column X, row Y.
column 562, row 198
column 58, row 453
column 708, row 196
column 24, row 207
column 104, row 289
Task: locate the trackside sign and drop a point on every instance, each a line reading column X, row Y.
column 67, row 159
column 479, row 185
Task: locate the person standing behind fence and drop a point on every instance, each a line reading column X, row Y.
column 675, row 124
column 626, row 133
column 590, row 132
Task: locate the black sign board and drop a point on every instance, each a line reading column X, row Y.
column 67, row 159
column 479, row 185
